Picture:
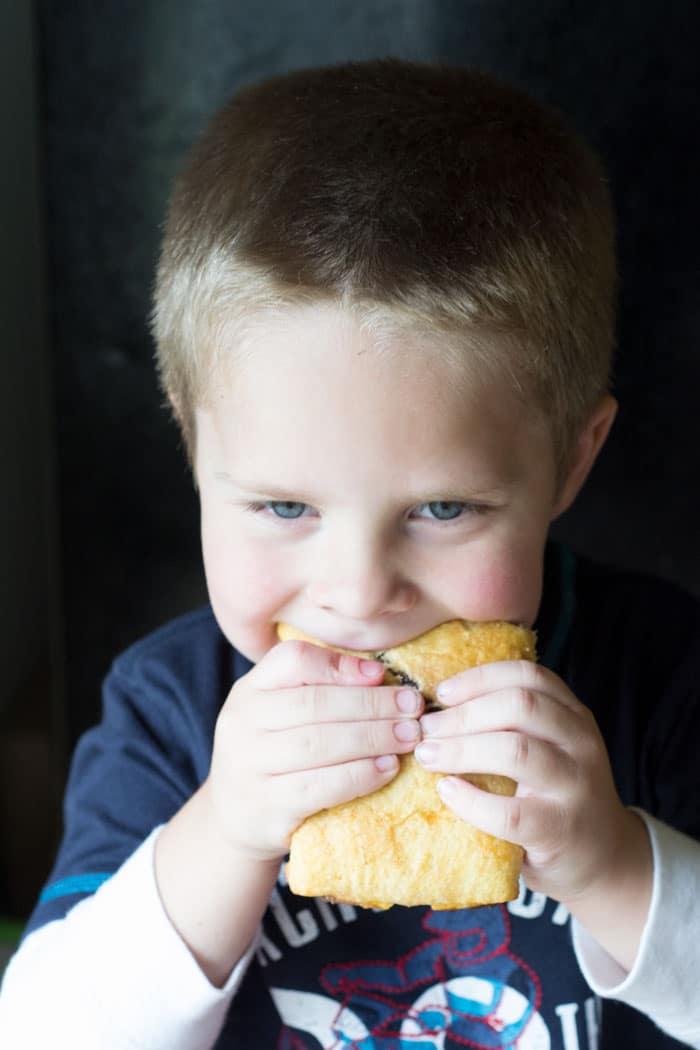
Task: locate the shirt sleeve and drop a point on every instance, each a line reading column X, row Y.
column 663, row 982
column 131, row 772
column 113, row 974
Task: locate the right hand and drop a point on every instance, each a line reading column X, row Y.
column 306, row 729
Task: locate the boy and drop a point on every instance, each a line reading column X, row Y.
column 384, row 318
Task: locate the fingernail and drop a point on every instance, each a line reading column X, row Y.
column 407, row 700
column 447, row 787
column 426, row 753
column 443, row 690
column 429, row 724
column 370, row 668
column 385, row 763
column 405, row 731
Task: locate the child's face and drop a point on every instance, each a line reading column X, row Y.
column 365, row 495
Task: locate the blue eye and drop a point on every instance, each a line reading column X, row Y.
column 286, row 508
column 444, row 510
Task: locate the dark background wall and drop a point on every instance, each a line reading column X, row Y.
column 30, row 644
column 127, row 85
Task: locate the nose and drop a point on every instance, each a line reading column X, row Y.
column 360, row 581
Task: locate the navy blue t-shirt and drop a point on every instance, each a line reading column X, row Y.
column 330, row 975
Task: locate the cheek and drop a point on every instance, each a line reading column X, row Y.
column 245, row 588
column 502, row 586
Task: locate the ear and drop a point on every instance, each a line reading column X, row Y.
column 591, row 439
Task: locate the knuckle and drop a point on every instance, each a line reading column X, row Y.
column 364, row 777
column 481, row 674
column 301, row 749
column 372, row 705
column 513, row 820
column 305, row 744
column 310, row 701
column 361, row 777
column 525, row 702
column 377, row 702
column 530, row 674
column 379, row 738
column 293, row 649
column 315, row 701
column 521, row 750
column 310, row 652
column 355, row 777
column 306, row 795
column 224, row 717
column 290, row 654
column 589, row 719
column 228, row 722
column 302, row 794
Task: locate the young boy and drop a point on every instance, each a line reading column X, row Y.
column 384, row 317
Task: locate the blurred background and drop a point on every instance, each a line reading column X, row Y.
column 98, row 520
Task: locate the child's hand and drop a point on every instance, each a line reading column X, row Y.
column 520, row 720
column 307, row 728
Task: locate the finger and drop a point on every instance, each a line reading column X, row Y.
column 534, row 763
column 513, row 708
column 515, row 819
column 308, row 747
column 321, row 704
column 309, row 791
column 297, row 663
column 505, row 674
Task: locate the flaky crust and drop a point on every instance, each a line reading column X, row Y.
column 401, row 844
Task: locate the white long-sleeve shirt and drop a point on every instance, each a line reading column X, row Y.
column 115, row 975
column 112, row 973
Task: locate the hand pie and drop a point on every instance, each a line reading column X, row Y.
column 401, row 844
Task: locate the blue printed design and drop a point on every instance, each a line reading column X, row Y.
column 88, row 883
column 461, row 988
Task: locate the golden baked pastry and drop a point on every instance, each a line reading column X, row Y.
column 401, row 844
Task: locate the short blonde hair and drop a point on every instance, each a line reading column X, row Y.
column 438, row 195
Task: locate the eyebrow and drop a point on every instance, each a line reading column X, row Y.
column 274, row 492
column 254, row 488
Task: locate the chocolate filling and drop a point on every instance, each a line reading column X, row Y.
column 404, row 679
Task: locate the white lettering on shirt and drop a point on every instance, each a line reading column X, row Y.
column 302, row 927
column 592, row 1011
column 528, row 904
column 267, row 951
column 295, row 936
column 566, row 1013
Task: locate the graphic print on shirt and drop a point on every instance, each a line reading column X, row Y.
column 461, row 987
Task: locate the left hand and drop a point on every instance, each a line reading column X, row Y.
column 520, row 720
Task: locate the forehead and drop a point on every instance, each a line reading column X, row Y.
column 325, row 383
column 327, row 341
